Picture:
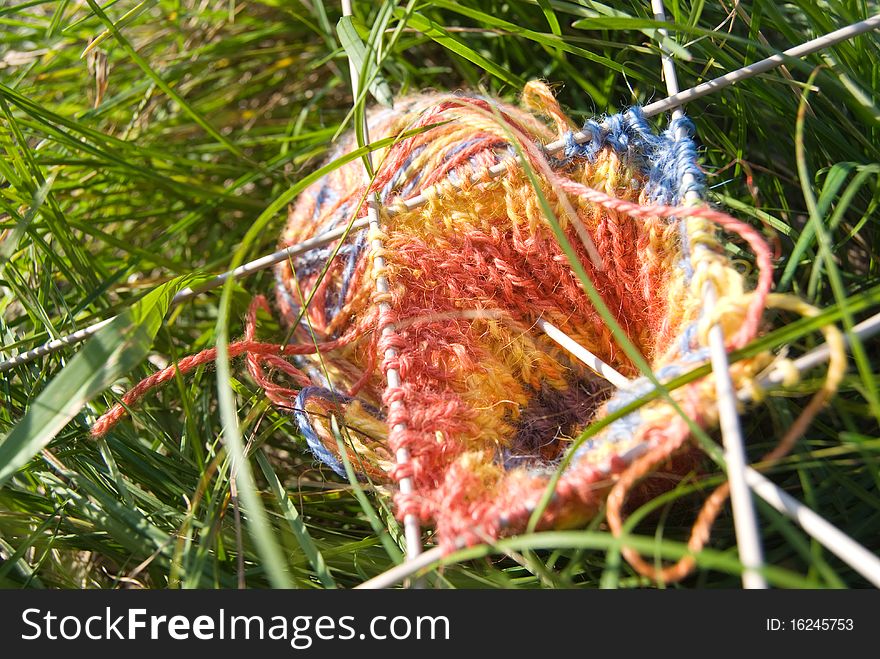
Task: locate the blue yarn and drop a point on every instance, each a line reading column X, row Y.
column 314, row 260
column 305, row 426
column 588, row 149
column 348, row 273
column 301, row 417
column 401, row 173
column 281, row 287
column 664, row 158
column 458, row 148
column 687, row 338
column 416, row 176
column 695, row 356
column 325, row 194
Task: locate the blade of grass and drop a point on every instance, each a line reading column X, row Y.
column 357, row 53
column 436, row 32
column 161, row 84
column 827, row 258
column 109, row 355
column 296, row 524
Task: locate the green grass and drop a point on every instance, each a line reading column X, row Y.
column 172, row 147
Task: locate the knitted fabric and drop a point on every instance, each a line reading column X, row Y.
column 489, row 403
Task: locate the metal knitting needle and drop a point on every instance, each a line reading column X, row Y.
column 649, row 110
column 744, row 517
column 762, row 66
column 807, row 48
column 412, row 532
column 863, row 330
column 400, row 572
column 256, row 265
column 829, row 536
column 836, row 541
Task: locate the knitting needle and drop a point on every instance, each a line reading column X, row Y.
column 865, row 329
column 412, row 532
column 400, row 572
column 744, row 517
column 818, row 355
column 853, row 554
column 592, row 361
column 807, row 48
column 188, row 293
column 848, row 550
column 650, row 110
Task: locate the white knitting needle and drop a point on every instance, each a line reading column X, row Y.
column 188, row 293
column 649, row 110
column 400, row 572
column 848, row 550
column 584, row 355
column 744, row 518
column 412, row 532
column 818, row 355
column 865, row 329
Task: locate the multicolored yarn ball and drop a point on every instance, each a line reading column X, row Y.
column 488, row 405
